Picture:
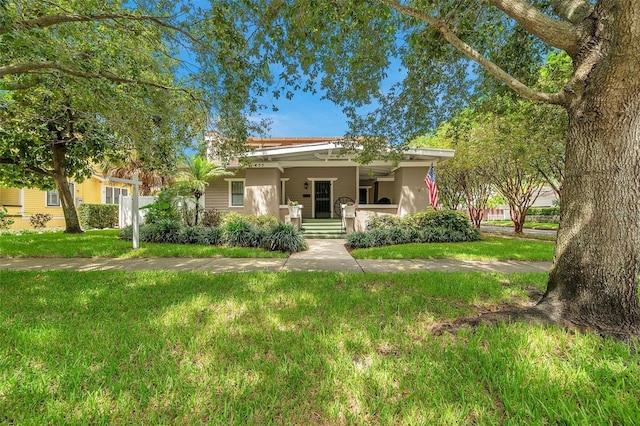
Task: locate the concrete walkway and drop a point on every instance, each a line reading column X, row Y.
column 323, row 255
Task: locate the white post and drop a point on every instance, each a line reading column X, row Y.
column 134, row 208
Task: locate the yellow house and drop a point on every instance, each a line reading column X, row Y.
column 22, row 203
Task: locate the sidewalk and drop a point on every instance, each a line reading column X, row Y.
column 323, row 255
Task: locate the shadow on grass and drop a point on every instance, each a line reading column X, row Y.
column 295, row 348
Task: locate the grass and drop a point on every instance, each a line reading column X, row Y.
column 490, row 248
column 105, row 243
column 528, row 225
column 295, row 348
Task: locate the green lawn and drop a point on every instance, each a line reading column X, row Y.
column 528, row 225
column 105, row 243
column 295, row 348
column 490, row 248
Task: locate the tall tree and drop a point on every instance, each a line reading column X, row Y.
column 348, row 46
column 83, row 88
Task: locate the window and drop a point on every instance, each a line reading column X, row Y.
column 236, row 193
column 113, row 194
column 53, row 198
column 363, row 195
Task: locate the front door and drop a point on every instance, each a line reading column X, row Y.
column 322, row 197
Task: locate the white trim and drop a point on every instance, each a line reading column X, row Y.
column 283, row 190
column 21, row 200
column 244, row 187
column 315, row 179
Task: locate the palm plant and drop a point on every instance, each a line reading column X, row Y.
column 195, row 177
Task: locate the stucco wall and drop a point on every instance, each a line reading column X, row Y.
column 261, row 192
column 413, row 195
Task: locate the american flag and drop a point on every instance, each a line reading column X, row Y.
column 430, row 181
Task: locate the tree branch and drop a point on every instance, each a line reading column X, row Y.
column 555, row 33
column 52, row 20
column 26, row 67
column 573, row 11
column 523, row 90
column 14, row 162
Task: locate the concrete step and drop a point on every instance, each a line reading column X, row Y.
column 322, row 228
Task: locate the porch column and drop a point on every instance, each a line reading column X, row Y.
column 261, row 190
column 410, row 191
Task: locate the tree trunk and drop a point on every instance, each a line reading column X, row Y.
column 518, row 216
column 476, row 215
column 67, row 199
column 594, row 278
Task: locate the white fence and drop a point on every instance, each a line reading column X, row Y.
column 125, row 217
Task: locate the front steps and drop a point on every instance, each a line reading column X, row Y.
column 323, row 228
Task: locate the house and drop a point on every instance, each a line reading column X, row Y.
column 313, row 173
column 22, row 203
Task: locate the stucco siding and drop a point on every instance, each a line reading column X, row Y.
column 413, row 195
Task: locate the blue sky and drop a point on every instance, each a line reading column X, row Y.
column 306, row 115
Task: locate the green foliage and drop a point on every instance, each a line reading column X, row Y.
column 425, row 227
column 39, row 220
column 237, row 231
column 98, row 216
column 162, row 231
column 165, row 207
column 445, row 219
column 211, row 218
column 286, row 238
column 5, row 221
column 383, row 222
column 543, row 211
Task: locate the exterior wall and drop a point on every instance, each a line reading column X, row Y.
column 216, row 196
column 262, row 192
column 413, row 195
column 343, row 186
column 385, row 190
column 35, row 201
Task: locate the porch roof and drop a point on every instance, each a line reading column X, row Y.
column 327, row 154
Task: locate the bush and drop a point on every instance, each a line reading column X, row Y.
column 446, row 219
column 5, row 222
column 211, row 218
column 543, row 211
column 39, row 220
column 383, row 222
column 264, row 221
column 239, row 232
column 212, row 236
column 359, row 239
column 126, row 233
column 98, row 216
column 286, row 238
column 165, row 207
column 193, row 235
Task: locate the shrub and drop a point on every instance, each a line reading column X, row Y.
column 165, row 207
column 5, row 222
column 286, row 237
column 212, row 236
column 447, row 219
column 264, row 221
column 126, row 233
column 359, row 239
column 383, row 222
column 397, row 235
column 211, row 218
column 98, row 216
column 193, row 235
column 543, row 211
column 239, row 232
column 39, row 220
